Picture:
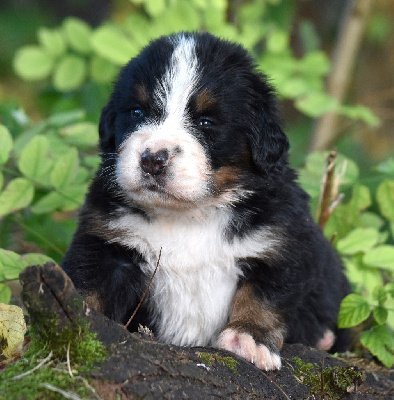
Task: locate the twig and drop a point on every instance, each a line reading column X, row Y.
column 89, row 387
column 38, row 366
column 68, row 361
column 327, row 181
column 322, row 379
column 145, row 293
column 346, row 50
column 67, row 395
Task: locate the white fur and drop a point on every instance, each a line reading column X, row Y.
column 192, row 291
column 245, row 346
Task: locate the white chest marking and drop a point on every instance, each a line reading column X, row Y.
column 192, row 292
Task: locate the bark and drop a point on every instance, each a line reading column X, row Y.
column 139, row 367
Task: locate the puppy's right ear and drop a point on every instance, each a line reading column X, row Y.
column 107, row 129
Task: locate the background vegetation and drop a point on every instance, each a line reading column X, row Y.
column 57, row 73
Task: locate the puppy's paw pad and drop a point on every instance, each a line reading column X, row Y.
column 326, row 342
column 245, row 346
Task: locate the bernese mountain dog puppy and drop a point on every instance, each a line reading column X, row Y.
column 195, row 172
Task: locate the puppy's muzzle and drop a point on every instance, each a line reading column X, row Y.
column 154, row 163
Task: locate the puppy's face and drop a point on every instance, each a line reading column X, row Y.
column 189, row 120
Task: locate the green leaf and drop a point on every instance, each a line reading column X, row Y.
column 35, row 162
column 278, row 41
column 380, row 314
column 354, row 309
column 65, row 118
column 70, row 198
column 35, row 259
column 70, row 73
column 380, row 294
column 139, row 28
column 360, row 112
column 112, row 44
column 316, row 104
column 371, row 220
column 363, row 279
column 65, row 169
column 18, row 194
column 102, row 70
column 389, row 288
column 82, row 134
column 154, row 7
column 6, row 144
column 358, row 240
column 11, row 264
column 78, row 34
column 381, row 257
column 51, row 202
column 33, row 63
column 314, row 63
column 52, row 40
column 385, row 199
column 386, row 167
column 5, row 293
column 380, row 342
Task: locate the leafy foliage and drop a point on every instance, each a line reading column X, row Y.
column 44, row 174
column 75, row 54
column 364, row 230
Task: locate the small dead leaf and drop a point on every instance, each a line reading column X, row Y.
column 12, row 329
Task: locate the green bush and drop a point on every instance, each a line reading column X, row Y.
column 45, row 170
column 75, row 55
column 363, row 227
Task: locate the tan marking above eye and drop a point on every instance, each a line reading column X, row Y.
column 205, row 100
column 142, row 93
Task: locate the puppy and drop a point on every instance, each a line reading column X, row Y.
column 195, row 168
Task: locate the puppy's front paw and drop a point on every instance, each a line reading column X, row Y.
column 245, row 346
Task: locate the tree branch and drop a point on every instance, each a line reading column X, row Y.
column 345, row 54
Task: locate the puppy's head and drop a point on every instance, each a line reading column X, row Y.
column 189, row 120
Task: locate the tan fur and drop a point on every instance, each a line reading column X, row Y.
column 205, row 99
column 248, row 309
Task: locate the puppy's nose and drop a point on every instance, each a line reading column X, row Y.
column 154, row 163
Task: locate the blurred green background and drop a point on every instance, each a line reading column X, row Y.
column 301, row 27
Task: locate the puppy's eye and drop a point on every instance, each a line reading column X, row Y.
column 204, row 122
column 137, row 113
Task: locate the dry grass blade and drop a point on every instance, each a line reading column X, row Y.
column 145, row 293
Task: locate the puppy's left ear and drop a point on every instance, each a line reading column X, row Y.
column 269, row 145
column 107, row 128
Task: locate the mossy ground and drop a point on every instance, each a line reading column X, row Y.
column 330, row 382
column 208, row 359
column 79, row 345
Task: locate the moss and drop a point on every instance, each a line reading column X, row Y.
column 209, row 358
column 77, row 340
column 330, row 382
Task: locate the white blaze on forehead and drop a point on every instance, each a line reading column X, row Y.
column 179, row 81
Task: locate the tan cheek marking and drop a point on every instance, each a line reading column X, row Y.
column 92, row 300
column 247, row 309
column 225, row 177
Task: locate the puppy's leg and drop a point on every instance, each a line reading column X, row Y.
column 255, row 331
